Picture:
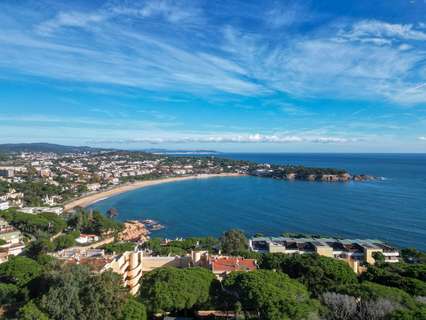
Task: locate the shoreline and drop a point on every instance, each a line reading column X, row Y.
column 86, row 201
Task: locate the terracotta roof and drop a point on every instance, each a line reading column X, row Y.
column 228, row 264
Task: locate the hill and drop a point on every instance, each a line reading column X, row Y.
column 45, row 147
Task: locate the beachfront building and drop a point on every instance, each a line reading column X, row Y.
column 353, row 251
column 11, row 239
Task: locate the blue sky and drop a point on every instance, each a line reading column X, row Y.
column 273, row 76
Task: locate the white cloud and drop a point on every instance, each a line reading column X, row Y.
column 422, row 138
column 366, row 60
column 171, row 11
column 379, row 29
column 71, row 19
column 232, row 138
column 331, row 65
column 120, row 56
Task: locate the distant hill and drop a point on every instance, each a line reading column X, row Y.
column 45, row 147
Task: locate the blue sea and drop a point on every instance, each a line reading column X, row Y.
column 392, row 209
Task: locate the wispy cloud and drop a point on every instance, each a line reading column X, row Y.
column 248, row 138
column 335, row 63
column 287, row 14
column 422, row 138
column 374, row 29
column 367, row 59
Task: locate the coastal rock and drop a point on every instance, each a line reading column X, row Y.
column 363, row 177
column 134, row 231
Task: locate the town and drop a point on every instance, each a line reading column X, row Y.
column 41, row 234
column 45, row 181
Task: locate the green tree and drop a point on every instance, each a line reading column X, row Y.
column 378, row 257
column 412, row 255
column 233, row 240
column 94, row 222
column 394, row 276
column 8, row 293
column 320, row 274
column 39, row 247
column 64, row 241
column 19, row 270
column 119, row 247
column 76, row 293
column 271, row 295
column 134, row 310
column 30, row 312
column 373, row 291
column 41, row 224
column 171, row 289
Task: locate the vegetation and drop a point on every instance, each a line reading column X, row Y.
column 118, row 247
column 170, row 289
column 35, row 191
column 411, row 255
column 94, row 222
column 79, row 294
column 42, row 224
column 181, row 247
column 318, row 273
column 4, row 187
column 270, row 295
column 134, row 310
column 65, row 240
column 37, row 286
column 19, row 271
column 233, row 240
column 410, row 278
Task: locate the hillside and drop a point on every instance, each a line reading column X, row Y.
column 44, row 147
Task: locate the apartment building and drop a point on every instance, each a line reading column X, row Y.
column 353, row 251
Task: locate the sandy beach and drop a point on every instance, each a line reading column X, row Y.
column 92, row 198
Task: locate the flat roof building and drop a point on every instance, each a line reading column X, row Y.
column 354, row 251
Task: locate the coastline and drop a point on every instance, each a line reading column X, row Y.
column 86, row 201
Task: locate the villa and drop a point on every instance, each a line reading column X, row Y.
column 222, row 266
column 12, row 241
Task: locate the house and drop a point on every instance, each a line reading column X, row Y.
column 87, row 238
column 223, row 265
column 12, row 238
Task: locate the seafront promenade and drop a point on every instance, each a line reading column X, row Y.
column 87, row 200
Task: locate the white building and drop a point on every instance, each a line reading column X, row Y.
column 4, row 205
column 87, row 238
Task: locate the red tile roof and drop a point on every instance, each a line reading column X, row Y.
column 228, row 264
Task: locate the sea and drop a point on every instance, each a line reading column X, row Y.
column 391, row 208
